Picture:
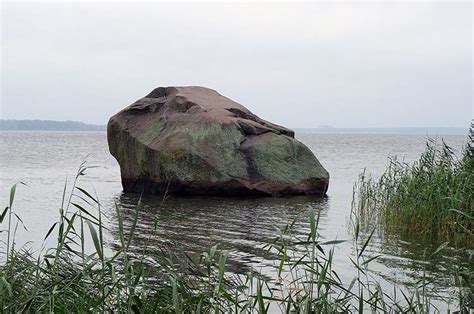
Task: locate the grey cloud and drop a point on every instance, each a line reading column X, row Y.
column 301, row 65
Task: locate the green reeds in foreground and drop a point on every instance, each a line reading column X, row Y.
column 75, row 277
column 431, row 199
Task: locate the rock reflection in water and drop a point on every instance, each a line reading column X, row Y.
column 192, row 225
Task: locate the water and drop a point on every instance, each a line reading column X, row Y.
column 45, row 160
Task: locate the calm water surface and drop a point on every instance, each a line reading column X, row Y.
column 45, row 160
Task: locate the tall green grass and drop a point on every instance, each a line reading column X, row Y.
column 78, row 273
column 431, row 199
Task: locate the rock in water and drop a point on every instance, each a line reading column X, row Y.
column 192, row 140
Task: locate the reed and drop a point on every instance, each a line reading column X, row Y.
column 79, row 274
column 431, row 199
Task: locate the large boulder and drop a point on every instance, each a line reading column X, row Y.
column 192, row 140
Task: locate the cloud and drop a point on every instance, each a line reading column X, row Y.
column 301, row 65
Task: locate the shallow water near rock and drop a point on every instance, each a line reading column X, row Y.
column 243, row 226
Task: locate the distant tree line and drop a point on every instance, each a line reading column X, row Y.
column 48, row 125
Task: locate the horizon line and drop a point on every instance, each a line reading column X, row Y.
column 322, row 127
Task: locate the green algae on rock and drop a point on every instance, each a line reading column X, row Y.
column 194, row 141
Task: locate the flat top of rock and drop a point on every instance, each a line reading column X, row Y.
column 203, row 103
column 206, row 98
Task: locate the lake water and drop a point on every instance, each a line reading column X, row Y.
column 44, row 160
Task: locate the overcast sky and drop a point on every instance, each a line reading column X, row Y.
column 301, row 65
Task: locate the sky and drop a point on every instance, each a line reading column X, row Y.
column 302, row 65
